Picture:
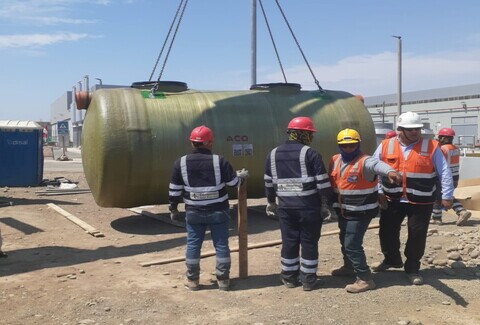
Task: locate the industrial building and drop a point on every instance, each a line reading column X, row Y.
column 454, row 107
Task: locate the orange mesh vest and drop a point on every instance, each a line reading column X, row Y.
column 452, row 155
column 418, row 171
column 355, row 193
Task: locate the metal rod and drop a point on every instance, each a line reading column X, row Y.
column 253, row 44
column 399, row 75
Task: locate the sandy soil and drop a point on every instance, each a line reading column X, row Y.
column 58, row 274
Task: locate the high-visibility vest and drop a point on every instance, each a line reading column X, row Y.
column 355, row 193
column 418, row 171
column 452, row 155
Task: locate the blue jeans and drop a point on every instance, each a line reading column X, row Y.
column 197, row 224
column 352, row 232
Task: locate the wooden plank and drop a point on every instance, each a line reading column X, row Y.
column 82, row 224
column 235, row 249
column 61, row 193
column 159, row 217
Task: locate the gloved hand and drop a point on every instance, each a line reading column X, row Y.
column 382, row 201
column 175, row 215
column 271, row 210
column 242, row 175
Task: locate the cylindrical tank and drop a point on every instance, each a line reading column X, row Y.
column 427, row 132
column 131, row 138
column 381, row 129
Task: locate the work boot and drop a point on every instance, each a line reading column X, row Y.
column 3, row 254
column 436, row 221
column 415, row 279
column 289, row 284
column 193, row 285
column 382, row 266
column 463, row 217
column 361, row 286
column 343, row 271
column 223, row 285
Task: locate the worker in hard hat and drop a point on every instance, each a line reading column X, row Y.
column 390, row 134
column 200, row 179
column 421, row 163
column 296, row 175
column 452, row 155
column 353, row 176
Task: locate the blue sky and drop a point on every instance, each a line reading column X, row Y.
column 47, row 46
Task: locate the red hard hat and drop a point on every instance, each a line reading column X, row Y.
column 447, row 132
column 390, row 134
column 201, row 134
column 301, row 123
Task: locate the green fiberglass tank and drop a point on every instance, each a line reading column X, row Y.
column 131, row 138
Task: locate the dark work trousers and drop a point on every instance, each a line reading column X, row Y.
column 390, row 224
column 300, row 229
column 352, row 232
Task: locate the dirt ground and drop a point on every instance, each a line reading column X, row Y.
column 58, row 274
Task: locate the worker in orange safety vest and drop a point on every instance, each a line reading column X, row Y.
column 353, row 176
column 423, row 166
column 452, row 155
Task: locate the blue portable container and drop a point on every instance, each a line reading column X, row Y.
column 21, row 154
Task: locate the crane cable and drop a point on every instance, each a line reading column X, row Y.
column 273, row 41
column 298, row 45
column 182, row 6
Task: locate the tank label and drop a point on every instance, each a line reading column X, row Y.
column 245, row 149
column 238, row 138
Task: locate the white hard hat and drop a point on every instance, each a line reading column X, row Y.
column 409, row 120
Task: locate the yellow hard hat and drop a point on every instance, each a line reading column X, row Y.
column 348, row 136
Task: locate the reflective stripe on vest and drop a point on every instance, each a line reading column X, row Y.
column 452, row 155
column 418, row 170
column 204, row 195
column 292, row 186
column 356, row 194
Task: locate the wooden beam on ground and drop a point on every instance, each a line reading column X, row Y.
column 159, row 217
column 253, row 246
column 82, row 224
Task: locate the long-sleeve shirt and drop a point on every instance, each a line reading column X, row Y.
column 200, row 179
column 441, row 168
column 296, row 174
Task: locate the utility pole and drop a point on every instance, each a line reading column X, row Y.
column 399, row 74
column 253, row 44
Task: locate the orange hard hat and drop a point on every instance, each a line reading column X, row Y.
column 301, row 123
column 201, row 134
column 390, row 134
column 446, row 132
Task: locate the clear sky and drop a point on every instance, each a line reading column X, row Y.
column 47, row 46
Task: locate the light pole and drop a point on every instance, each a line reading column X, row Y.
column 399, row 75
column 253, row 43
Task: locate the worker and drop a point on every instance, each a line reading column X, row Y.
column 452, row 155
column 390, row 134
column 421, row 163
column 201, row 178
column 296, row 175
column 353, row 176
